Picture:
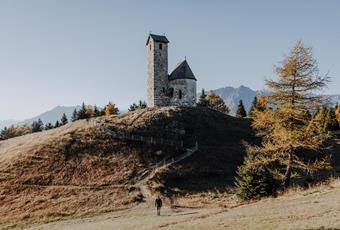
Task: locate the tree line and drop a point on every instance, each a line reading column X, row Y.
column 85, row 112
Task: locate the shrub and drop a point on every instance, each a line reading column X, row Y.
column 255, row 181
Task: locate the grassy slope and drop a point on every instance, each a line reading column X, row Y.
column 79, row 169
column 316, row 208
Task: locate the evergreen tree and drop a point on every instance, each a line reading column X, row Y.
column 96, row 111
column 253, row 107
column 82, row 112
column 74, row 115
column 216, row 102
column 64, row 119
column 287, row 129
column 255, row 180
column 37, row 126
column 141, row 105
column 57, row 124
column 49, row 126
column 241, row 112
column 133, row 107
column 202, row 101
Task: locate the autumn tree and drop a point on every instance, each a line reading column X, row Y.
column 216, row 102
column 320, row 118
column 89, row 112
column 258, row 104
column 286, row 128
column 110, row 109
column 331, row 123
column 241, row 112
column 337, row 113
column 15, row 131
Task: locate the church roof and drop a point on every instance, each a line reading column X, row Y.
column 182, row 71
column 157, row 38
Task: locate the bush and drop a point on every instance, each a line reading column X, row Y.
column 255, row 181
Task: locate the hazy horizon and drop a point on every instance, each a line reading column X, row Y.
column 66, row 52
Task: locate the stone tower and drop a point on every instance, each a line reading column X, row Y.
column 158, row 81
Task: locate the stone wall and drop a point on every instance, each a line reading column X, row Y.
column 188, row 91
column 157, row 73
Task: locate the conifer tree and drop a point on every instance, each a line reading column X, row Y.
column 216, row 102
column 49, row 126
column 37, row 126
column 141, row 105
column 74, row 115
column 253, row 107
column 57, row 124
column 241, row 112
column 286, row 129
column 64, row 119
column 202, row 101
column 96, row 111
column 82, row 112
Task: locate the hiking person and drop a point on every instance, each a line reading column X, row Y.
column 158, row 205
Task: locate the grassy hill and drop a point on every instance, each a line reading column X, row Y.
column 82, row 168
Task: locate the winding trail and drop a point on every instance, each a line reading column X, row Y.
column 142, row 184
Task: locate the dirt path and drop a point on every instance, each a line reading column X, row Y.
column 307, row 210
column 148, row 175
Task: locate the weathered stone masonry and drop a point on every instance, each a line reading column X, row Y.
column 175, row 89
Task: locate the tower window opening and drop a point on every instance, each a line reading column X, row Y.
column 180, row 94
column 160, row 46
column 150, row 46
column 163, row 90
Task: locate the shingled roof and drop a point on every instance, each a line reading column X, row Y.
column 182, row 71
column 157, row 38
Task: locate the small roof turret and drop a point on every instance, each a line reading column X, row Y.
column 157, row 38
column 182, row 71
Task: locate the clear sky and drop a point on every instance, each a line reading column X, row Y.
column 64, row 52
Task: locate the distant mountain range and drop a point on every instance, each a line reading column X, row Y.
column 50, row 116
column 230, row 95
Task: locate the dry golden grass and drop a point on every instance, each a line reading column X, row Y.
column 79, row 169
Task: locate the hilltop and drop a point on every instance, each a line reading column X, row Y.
column 95, row 165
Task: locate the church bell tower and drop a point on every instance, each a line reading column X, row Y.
column 157, row 46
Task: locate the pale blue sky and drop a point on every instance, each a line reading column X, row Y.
column 63, row 52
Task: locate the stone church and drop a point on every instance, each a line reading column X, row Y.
column 175, row 89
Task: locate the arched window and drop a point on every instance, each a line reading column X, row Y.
column 160, row 46
column 180, row 94
column 150, row 46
